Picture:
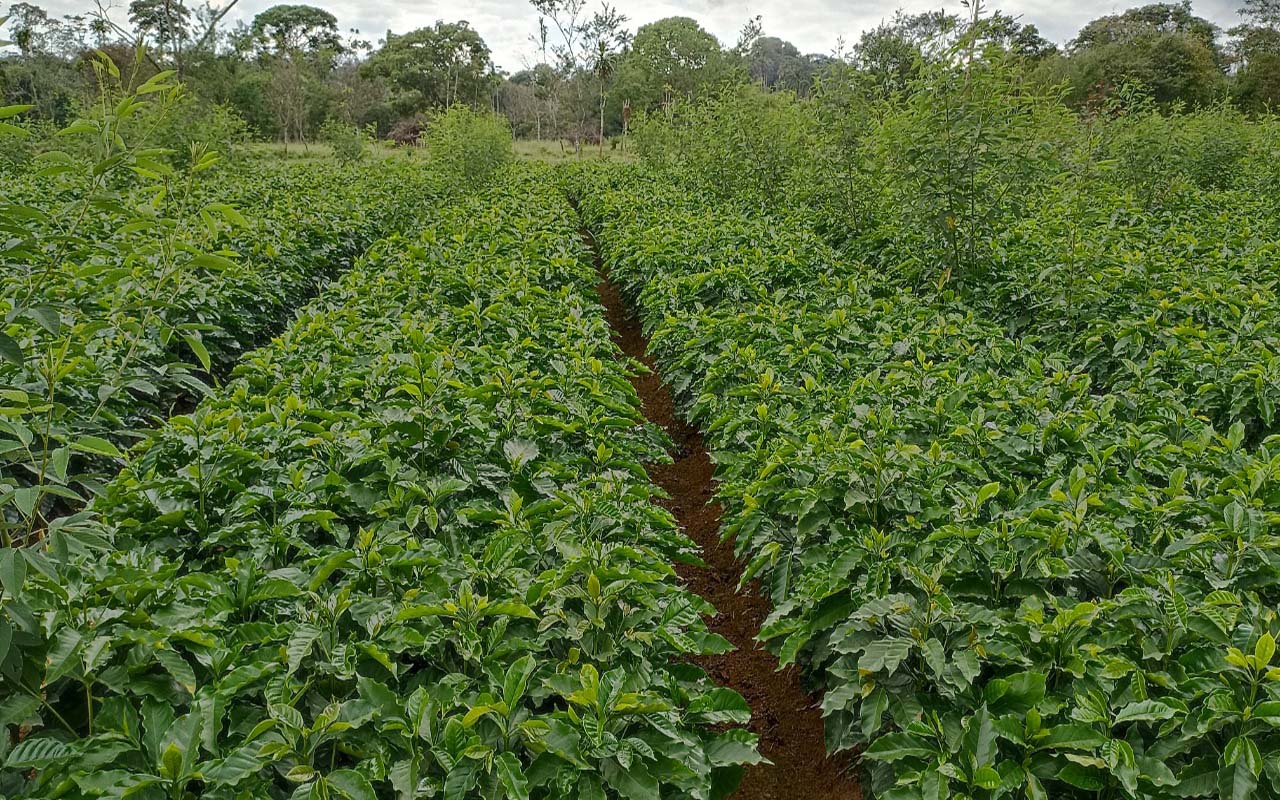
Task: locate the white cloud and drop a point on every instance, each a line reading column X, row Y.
column 812, row 25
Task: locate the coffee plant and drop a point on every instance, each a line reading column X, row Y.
column 409, row 551
column 132, row 285
column 327, row 480
column 1009, row 578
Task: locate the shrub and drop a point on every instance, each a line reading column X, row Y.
column 469, row 147
column 348, row 141
column 745, row 142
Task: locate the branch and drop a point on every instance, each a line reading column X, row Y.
column 213, row 23
column 101, row 14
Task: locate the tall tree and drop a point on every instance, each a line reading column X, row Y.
column 289, row 29
column 1162, row 48
column 435, row 66
column 778, row 64
column 890, row 55
column 1256, row 51
column 1145, row 22
column 603, row 41
column 670, row 58
column 166, row 25
column 29, row 25
column 298, row 44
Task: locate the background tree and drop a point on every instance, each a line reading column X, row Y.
column 890, row 55
column 1256, row 52
column 561, row 26
column 603, row 41
column 291, row 29
column 298, row 45
column 30, row 27
column 672, row 58
column 434, row 67
column 528, row 99
column 1164, row 49
column 777, row 64
column 165, row 26
column 1012, row 36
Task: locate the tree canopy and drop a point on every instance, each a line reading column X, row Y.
column 297, row 28
column 671, row 57
column 435, row 66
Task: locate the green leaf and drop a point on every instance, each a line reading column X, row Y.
column 590, row 788
column 8, row 112
column 1236, row 781
column 37, row 752
column 330, row 565
column 720, row 705
column 635, row 782
column 13, row 570
column 287, row 715
column 96, row 446
column 1242, row 748
column 1081, row 777
column 1119, row 758
column 981, row 738
column 304, row 636
column 351, row 785
column 896, row 746
column 967, row 665
column 10, row 351
column 1016, row 694
column 156, row 83
column 512, row 776
column 508, row 609
column 460, row 780
column 871, row 712
column 1072, row 737
column 62, row 657
column 178, row 668
column 884, row 655
column 1145, row 711
column 934, row 785
column 517, row 680
column 171, row 762
column 213, row 262
column 1264, row 649
column 735, row 746
column 197, row 346
column 1234, row 516
column 935, row 657
column 238, row 765
column 986, row 778
column 1268, row 711
column 520, row 452
column 47, row 317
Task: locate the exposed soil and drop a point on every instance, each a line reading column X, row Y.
column 785, row 717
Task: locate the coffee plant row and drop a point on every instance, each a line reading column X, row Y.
column 1009, row 578
column 1176, row 296
column 131, row 284
column 409, row 551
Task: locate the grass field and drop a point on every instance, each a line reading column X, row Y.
column 554, row 151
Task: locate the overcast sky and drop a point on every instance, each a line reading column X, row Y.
column 814, row 26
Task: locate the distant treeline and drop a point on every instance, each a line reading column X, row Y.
column 291, row 69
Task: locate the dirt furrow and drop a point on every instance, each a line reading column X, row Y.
column 785, row 717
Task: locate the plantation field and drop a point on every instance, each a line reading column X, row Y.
column 920, row 449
